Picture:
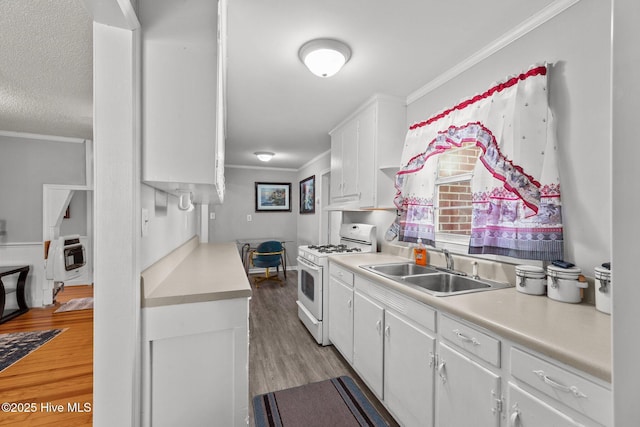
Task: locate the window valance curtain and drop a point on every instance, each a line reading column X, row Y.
column 515, row 184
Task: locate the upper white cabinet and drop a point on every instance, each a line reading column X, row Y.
column 365, row 153
column 183, row 83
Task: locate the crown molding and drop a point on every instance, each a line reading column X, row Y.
column 506, row 39
column 51, row 138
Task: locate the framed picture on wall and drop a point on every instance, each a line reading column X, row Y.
column 273, row 197
column 308, row 195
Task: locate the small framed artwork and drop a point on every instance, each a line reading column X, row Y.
column 308, row 195
column 273, row 197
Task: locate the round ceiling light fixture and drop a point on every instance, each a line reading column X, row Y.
column 324, row 57
column 264, row 156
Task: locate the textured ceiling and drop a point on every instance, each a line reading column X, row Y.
column 46, row 68
column 274, row 103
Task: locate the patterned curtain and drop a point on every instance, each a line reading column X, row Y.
column 515, row 184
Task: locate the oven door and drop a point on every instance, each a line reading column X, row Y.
column 310, row 287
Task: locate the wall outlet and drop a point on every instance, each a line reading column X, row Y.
column 249, row 218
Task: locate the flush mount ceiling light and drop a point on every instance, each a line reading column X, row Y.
column 324, row 57
column 264, row 156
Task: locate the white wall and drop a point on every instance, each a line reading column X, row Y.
column 25, row 165
column 577, row 43
column 239, row 201
column 167, row 230
column 309, row 224
column 626, row 204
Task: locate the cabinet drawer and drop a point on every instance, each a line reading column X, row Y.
column 419, row 313
column 341, row 273
column 564, row 386
column 470, row 339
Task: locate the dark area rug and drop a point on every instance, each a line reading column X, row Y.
column 17, row 345
column 334, row 402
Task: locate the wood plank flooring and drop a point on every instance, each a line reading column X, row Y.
column 58, row 373
column 282, row 353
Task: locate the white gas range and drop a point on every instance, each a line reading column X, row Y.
column 313, row 277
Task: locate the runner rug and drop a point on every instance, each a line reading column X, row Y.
column 76, row 304
column 17, row 345
column 334, row 402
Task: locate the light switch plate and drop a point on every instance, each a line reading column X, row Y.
column 249, row 218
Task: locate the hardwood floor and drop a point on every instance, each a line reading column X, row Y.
column 58, row 373
column 282, row 353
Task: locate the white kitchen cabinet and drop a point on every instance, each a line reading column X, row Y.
column 183, row 80
column 461, row 374
column 467, row 393
column 368, row 324
column 195, row 363
column 393, row 352
column 363, row 148
column 344, row 162
column 526, row 410
column 408, row 371
column 341, row 317
column 568, row 392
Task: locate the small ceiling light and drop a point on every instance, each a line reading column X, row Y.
column 324, row 57
column 264, row 156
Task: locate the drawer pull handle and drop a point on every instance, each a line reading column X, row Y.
column 463, row 337
column 572, row 389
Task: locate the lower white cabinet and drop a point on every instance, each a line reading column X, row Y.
column 526, row 410
column 467, row 394
column 458, row 375
column 408, row 371
column 558, row 387
column 341, row 317
column 368, row 324
column 196, row 359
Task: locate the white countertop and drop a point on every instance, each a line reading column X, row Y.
column 575, row 334
column 207, row 272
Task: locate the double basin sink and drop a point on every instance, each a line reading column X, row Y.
column 433, row 280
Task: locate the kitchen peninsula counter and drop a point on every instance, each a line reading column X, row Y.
column 195, row 337
column 575, row 334
column 195, row 272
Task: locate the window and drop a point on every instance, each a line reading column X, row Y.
column 453, row 189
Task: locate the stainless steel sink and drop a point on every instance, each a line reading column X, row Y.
column 400, row 269
column 433, row 280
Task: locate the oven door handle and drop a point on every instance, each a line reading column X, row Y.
column 308, row 264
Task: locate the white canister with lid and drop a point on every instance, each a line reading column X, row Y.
column 565, row 284
column 531, row 279
column 603, row 289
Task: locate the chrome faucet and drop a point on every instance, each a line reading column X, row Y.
column 447, row 257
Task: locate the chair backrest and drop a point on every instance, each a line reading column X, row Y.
column 273, row 247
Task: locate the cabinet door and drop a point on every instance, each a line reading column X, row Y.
column 336, row 165
column 350, row 159
column 341, row 317
column 466, row 393
column 368, row 324
column 526, row 410
column 408, row 371
column 179, row 90
column 366, row 156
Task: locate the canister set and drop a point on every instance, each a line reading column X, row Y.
column 564, row 284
